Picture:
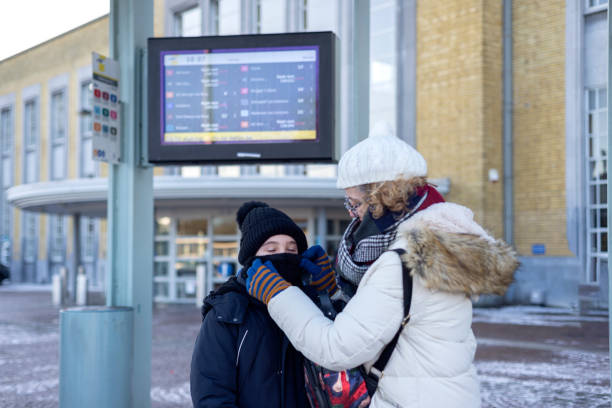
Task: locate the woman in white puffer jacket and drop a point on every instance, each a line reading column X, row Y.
column 450, row 257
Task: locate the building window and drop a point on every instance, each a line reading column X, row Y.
column 270, row 16
column 30, row 175
column 229, row 17
column 30, row 240
column 58, row 135
column 30, row 142
column 188, row 23
column 88, row 166
column 595, row 5
column 58, row 238
column 318, row 15
column 383, row 63
column 6, row 149
column 89, row 233
column 597, row 213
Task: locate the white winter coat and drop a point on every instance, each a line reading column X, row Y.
column 451, row 257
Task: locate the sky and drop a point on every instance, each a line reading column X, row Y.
column 26, row 23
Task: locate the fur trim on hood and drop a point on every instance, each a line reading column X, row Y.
column 459, row 262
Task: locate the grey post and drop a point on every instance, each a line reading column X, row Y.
column 130, row 195
column 609, row 184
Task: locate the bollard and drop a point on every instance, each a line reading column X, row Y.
column 96, row 357
column 81, row 290
column 56, row 289
column 200, row 284
column 63, row 272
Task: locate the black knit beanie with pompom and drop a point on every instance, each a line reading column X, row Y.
column 258, row 222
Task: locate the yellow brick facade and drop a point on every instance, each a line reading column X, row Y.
column 539, row 126
column 63, row 55
column 459, row 48
column 460, row 112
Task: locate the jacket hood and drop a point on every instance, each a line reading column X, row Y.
column 449, row 251
column 455, row 262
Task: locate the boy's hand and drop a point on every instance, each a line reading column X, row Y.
column 264, row 282
column 316, row 262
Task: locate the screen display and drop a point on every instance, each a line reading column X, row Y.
column 234, row 99
column 235, row 96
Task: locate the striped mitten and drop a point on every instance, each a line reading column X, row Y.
column 264, row 282
column 316, row 262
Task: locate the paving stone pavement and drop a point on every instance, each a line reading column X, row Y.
column 527, row 356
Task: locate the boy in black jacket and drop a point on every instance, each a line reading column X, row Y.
column 241, row 358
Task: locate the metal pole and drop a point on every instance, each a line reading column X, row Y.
column 361, row 69
column 130, row 195
column 507, row 136
column 406, row 49
column 609, row 172
column 322, row 227
column 76, row 256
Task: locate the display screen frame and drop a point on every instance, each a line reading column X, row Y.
column 320, row 150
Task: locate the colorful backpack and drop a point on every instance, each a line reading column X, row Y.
column 352, row 388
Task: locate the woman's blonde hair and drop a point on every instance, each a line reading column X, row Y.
column 392, row 195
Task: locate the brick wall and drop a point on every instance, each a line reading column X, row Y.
column 539, row 126
column 459, row 101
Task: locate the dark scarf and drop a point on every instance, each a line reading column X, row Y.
column 286, row 264
column 364, row 241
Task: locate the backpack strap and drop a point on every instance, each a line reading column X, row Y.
column 379, row 366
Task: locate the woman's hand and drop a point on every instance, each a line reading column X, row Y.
column 264, row 282
column 316, row 262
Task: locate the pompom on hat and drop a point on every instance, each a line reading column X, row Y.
column 380, row 157
column 258, row 222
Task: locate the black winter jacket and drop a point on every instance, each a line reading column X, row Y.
column 241, row 358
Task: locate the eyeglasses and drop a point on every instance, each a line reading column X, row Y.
column 352, row 209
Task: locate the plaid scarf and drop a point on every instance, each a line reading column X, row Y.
column 354, row 259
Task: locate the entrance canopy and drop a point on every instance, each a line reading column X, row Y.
column 88, row 196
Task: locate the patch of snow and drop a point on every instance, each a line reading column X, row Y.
column 177, row 395
column 13, row 335
column 29, row 387
column 572, row 379
column 24, row 287
column 533, row 316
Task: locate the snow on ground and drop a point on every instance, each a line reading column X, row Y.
column 176, row 395
column 533, row 316
column 14, row 334
column 571, row 379
column 555, row 373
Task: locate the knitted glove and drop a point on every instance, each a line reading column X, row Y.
column 316, row 262
column 264, row 282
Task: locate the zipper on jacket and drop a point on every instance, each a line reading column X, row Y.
column 240, row 347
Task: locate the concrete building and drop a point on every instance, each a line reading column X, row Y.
column 532, row 169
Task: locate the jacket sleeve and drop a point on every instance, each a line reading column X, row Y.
column 358, row 334
column 213, row 366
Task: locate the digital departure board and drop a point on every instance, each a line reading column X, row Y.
column 252, row 98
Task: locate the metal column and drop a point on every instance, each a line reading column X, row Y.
column 76, row 248
column 116, row 339
column 609, row 170
column 361, row 70
column 321, row 227
column 130, row 195
column 508, row 135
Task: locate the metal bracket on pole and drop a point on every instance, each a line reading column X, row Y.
column 141, row 106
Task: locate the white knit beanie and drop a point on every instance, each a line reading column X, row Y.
column 380, row 157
